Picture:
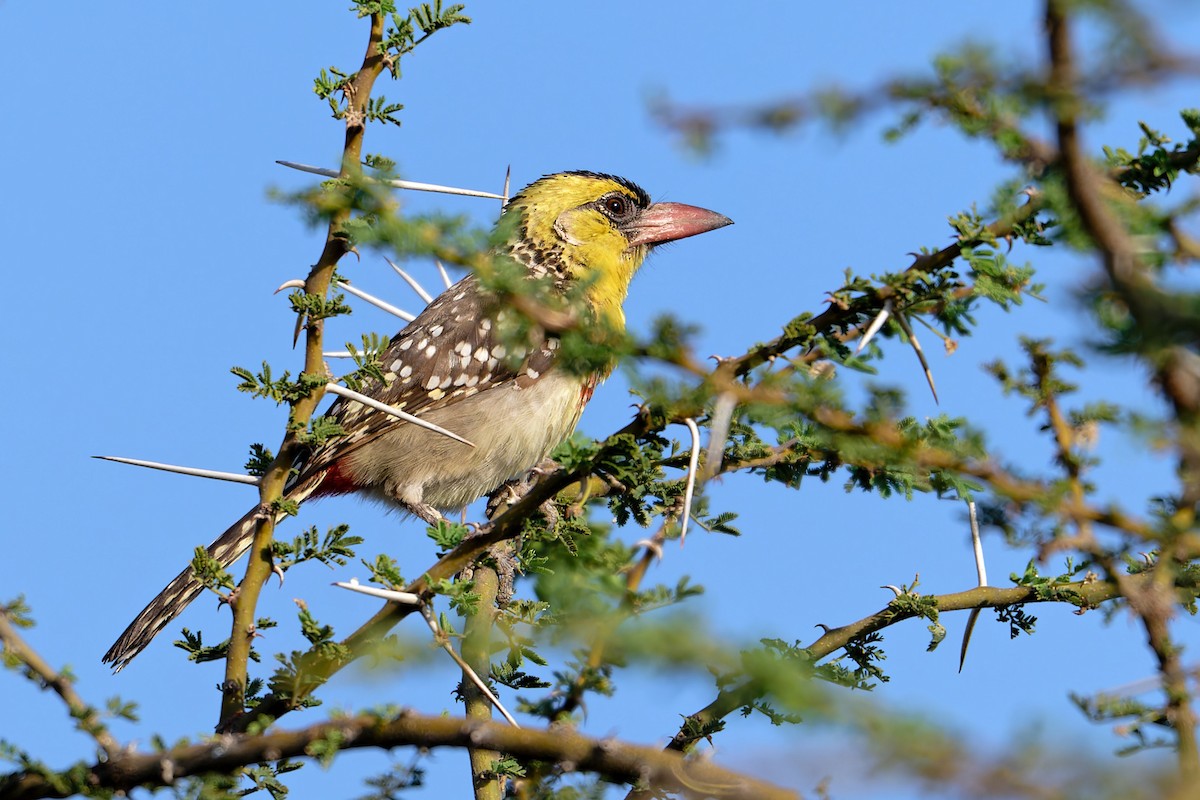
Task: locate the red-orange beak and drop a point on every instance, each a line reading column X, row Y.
column 666, row 222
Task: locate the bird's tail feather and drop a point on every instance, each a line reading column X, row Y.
column 179, row 593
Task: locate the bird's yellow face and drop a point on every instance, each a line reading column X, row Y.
column 598, row 228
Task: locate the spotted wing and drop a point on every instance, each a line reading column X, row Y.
column 448, row 353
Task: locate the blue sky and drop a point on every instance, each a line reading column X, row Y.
column 143, row 251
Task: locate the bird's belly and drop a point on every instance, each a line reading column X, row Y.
column 512, row 429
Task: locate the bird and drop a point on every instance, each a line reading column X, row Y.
column 449, row 367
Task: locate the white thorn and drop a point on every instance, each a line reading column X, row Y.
column 895, row 589
column 972, row 618
column 403, row 598
column 981, row 571
column 338, row 354
column 693, row 465
column 416, row 287
column 375, row 301
column 395, row 183
column 912, row 338
column 718, row 432
column 465, row 667
column 195, row 472
column 445, row 275
column 977, row 544
column 653, row 546
column 507, row 178
column 350, row 394
column 874, row 327
column 294, row 283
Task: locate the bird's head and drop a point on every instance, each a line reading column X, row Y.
column 596, row 228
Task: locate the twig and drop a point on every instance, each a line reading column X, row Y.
column 1087, row 593
column 87, row 717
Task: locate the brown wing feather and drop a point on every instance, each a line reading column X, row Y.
column 448, row 353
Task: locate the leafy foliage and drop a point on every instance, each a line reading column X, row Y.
column 572, row 614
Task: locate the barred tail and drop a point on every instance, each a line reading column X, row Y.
column 179, row 593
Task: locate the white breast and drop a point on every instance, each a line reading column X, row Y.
column 512, row 428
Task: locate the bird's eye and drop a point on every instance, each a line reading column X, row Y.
column 616, row 205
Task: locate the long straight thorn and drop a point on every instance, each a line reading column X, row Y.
column 403, row 598
column 350, row 394
column 912, row 337
column 444, row 642
column 507, row 178
column 445, row 275
column 977, row 544
column 718, row 432
column 693, row 465
column 375, row 301
column 874, row 327
column 416, row 287
column 981, row 572
column 195, row 472
column 395, row 183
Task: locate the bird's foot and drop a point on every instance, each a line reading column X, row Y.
column 512, row 492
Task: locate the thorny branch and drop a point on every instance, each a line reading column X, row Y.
column 261, row 564
column 15, row 646
column 614, row 760
column 1092, row 195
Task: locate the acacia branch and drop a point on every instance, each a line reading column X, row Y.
column 1084, row 594
column 316, row 667
column 1091, row 195
column 357, row 91
column 477, row 654
column 37, row 668
column 225, row 754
